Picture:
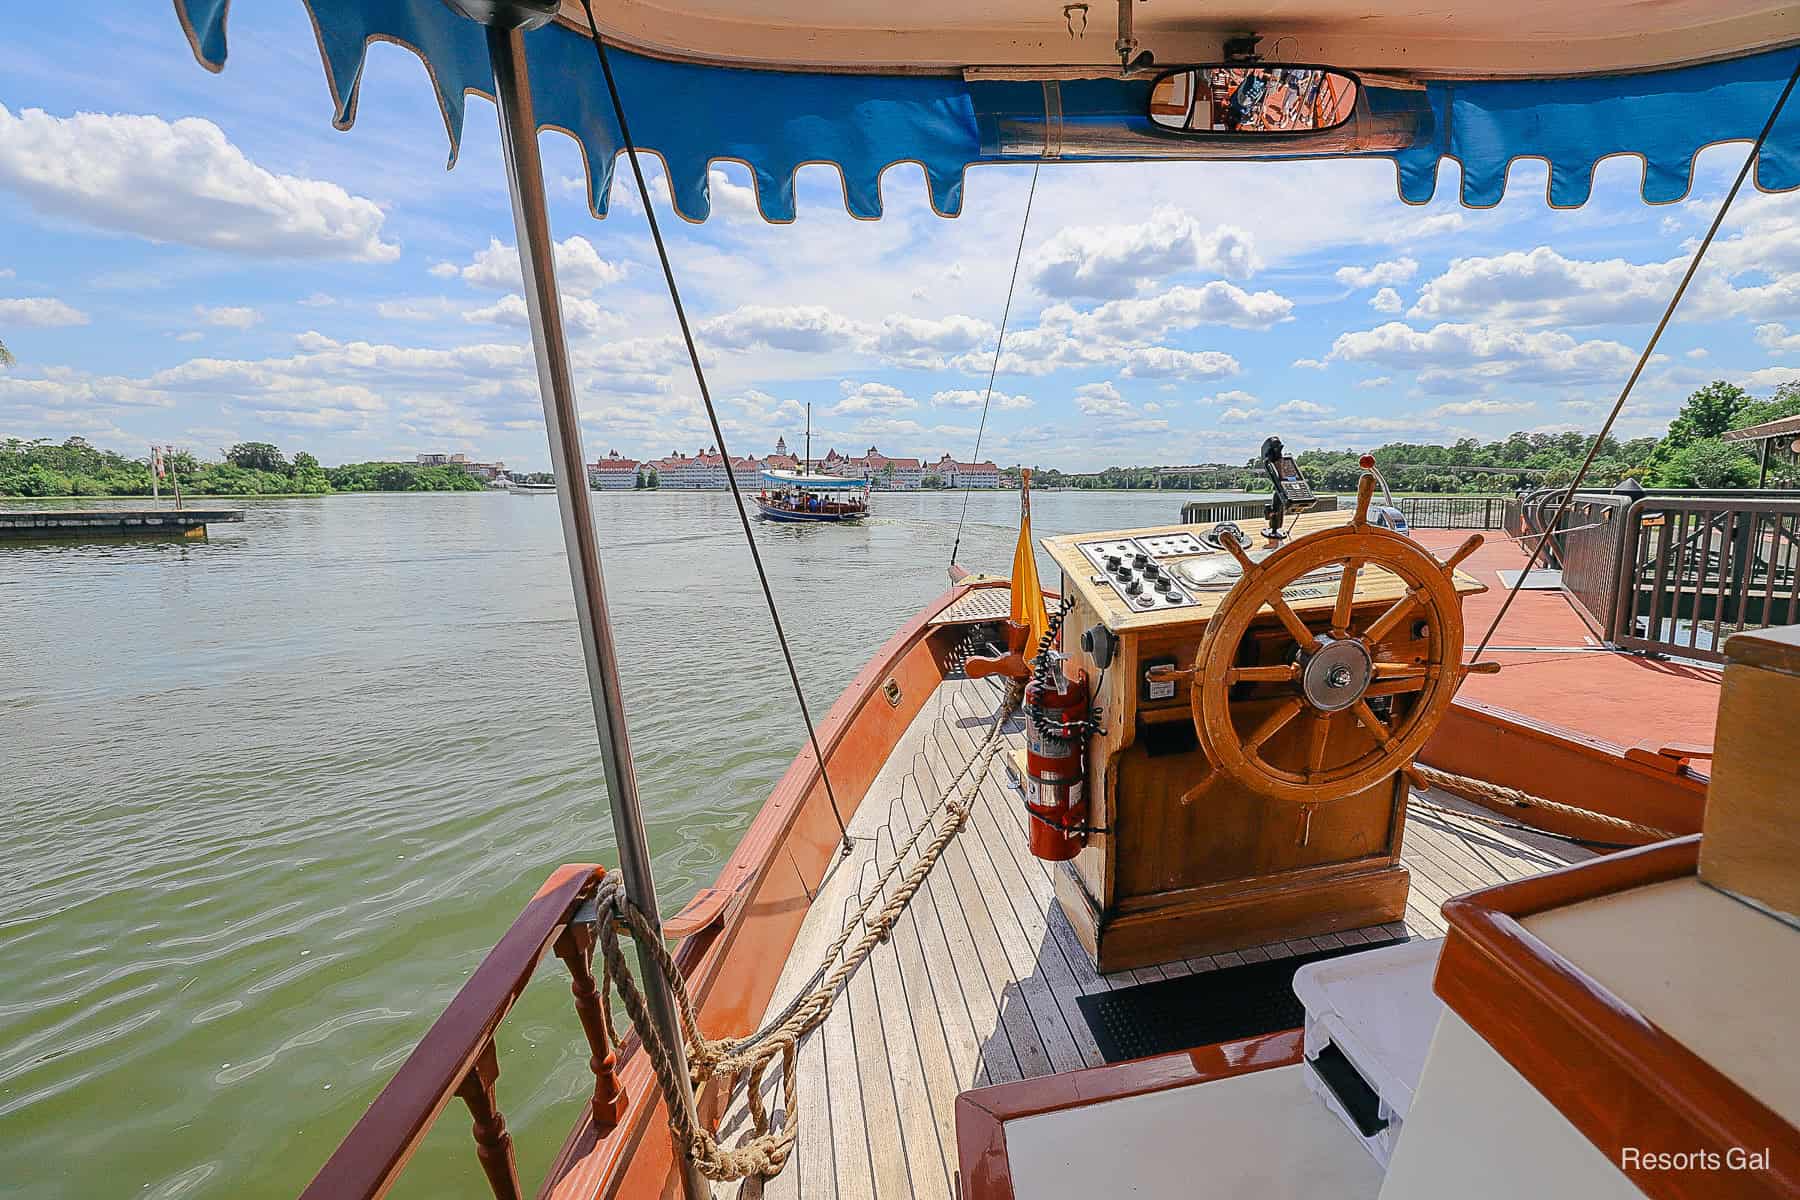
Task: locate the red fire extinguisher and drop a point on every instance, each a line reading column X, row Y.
column 1057, row 712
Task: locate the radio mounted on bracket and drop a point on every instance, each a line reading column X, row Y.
column 1292, row 493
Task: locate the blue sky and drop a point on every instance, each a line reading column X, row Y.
column 202, row 260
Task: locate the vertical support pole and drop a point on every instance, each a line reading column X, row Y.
column 1762, row 473
column 525, row 180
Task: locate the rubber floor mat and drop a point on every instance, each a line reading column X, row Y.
column 1198, row 1010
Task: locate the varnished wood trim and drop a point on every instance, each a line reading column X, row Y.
column 372, row 1155
column 981, row 1115
column 1508, row 748
column 1614, row 1074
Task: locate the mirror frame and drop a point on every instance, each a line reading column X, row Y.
column 1224, row 136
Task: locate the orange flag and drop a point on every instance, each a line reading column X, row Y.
column 1027, row 593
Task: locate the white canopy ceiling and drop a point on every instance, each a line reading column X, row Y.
column 1467, row 38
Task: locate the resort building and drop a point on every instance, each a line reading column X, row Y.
column 613, row 473
column 966, row 475
column 480, row 470
column 892, row 474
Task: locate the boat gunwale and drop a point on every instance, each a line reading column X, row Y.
column 589, row 1167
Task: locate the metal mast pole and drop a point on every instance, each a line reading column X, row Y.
column 525, row 179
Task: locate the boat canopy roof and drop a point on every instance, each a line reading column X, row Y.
column 817, row 483
column 957, row 84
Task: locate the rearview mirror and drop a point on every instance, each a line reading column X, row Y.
column 1251, row 99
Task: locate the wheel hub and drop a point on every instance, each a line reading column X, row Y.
column 1336, row 675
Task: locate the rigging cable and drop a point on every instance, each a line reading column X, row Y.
column 1005, row 313
column 712, row 415
column 1643, row 359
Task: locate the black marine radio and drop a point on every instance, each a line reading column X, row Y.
column 1292, row 493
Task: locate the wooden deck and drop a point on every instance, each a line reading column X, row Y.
column 978, row 983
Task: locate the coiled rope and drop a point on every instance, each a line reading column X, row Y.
column 764, row 1150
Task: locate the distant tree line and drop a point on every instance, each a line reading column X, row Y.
column 74, row 468
column 1692, row 454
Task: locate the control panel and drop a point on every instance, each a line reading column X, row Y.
column 1138, row 569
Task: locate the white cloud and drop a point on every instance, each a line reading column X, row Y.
column 1701, row 351
column 1485, row 407
column 1310, row 364
column 1304, row 408
column 1545, row 287
column 1774, row 338
column 1397, row 270
column 180, row 181
column 1447, row 355
column 871, row 397
column 1379, row 381
column 973, row 398
column 579, row 267
column 228, row 316
column 1235, row 397
column 929, row 343
column 1101, row 400
column 1387, row 300
column 1119, row 260
column 1237, row 414
column 1769, row 378
column 1215, row 303
column 318, row 300
column 804, row 329
column 1160, row 362
column 40, row 311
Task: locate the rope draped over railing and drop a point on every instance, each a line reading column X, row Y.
column 764, row 1151
column 1495, row 793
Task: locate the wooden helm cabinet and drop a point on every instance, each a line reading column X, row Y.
column 1227, row 867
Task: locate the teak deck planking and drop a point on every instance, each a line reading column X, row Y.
column 978, row 982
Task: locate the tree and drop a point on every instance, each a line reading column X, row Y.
column 934, row 480
column 1707, row 463
column 6, row 356
column 257, row 456
column 1784, row 403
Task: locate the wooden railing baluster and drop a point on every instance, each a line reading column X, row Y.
column 576, row 948
column 493, row 1143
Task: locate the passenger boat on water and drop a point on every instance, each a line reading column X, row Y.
column 1274, row 912
column 793, row 496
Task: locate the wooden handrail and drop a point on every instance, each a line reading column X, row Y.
column 457, row 1056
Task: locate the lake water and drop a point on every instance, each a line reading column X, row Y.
column 270, row 798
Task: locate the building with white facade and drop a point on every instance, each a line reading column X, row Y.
column 614, row 473
column 966, row 475
column 479, row 470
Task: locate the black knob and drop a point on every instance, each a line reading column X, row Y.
column 1134, row 587
column 1139, row 559
column 1113, row 561
column 1153, row 570
column 1162, row 585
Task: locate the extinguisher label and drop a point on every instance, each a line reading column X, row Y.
column 1075, row 792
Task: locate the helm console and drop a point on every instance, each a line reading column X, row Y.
column 1257, row 700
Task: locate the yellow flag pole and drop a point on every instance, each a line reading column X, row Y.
column 1029, row 618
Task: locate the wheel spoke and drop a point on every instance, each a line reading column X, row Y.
column 1385, row 623
column 1340, row 612
column 1395, row 687
column 1295, row 626
column 1399, row 670
column 1283, row 673
column 1372, row 723
column 1315, row 749
column 1276, row 721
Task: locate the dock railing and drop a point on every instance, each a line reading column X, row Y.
column 457, row 1056
column 1673, row 571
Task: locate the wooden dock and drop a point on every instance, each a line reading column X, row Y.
column 37, row 523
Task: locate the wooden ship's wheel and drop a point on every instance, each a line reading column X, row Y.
column 1405, row 662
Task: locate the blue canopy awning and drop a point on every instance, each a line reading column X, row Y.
column 775, row 121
